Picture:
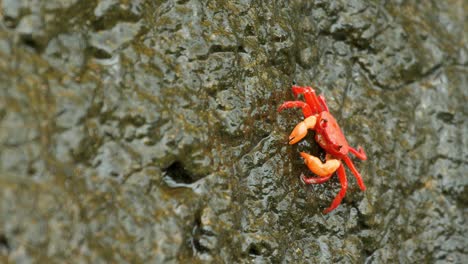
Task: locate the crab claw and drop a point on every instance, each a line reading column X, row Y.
column 319, row 168
column 300, row 131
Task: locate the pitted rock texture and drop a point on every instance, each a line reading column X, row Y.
column 148, row 132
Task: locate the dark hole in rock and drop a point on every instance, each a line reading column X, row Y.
column 216, row 48
column 31, row 42
column 249, row 30
column 197, row 244
column 10, row 22
column 100, row 24
column 4, row 242
column 31, row 170
column 196, row 239
column 198, row 247
column 254, row 250
column 181, row 2
column 446, row 117
column 179, row 174
column 99, row 53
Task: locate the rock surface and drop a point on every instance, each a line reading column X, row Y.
column 147, row 131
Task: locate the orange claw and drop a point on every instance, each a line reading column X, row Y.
column 319, row 168
column 300, row 131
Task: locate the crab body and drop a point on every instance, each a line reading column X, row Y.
column 329, row 136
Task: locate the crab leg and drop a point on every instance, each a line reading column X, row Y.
column 360, row 154
column 315, row 180
column 309, row 96
column 291, row 104
column 323, row 102
column 300, row 131
column 353, row 169
column 342, row 193
column 300, row 90
column 317, row 167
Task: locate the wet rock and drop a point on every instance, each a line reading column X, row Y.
column 110, row 40
column 149, row 132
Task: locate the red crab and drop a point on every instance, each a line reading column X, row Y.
column 329, row 136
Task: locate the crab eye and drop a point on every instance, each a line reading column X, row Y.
column 323, row 122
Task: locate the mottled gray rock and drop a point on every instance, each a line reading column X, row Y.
column 148, row 131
